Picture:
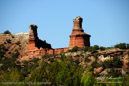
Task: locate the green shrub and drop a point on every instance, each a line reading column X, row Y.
column 102, row 48
column 121, row 46
column 7, row 32
column 95, row 64
column 74, row 49
column 8, row 41
column 9, row 52
column 107, row 64
column 117, row 63
column 18, row 43
column 2, row 50
column 112, row 63
column 8, row 63
column 96, row 47
column 126, row 80
column 13, row 36
column 95, row 56
column 5, row 42
column 87, row 59
column 47, row 56
column 13, row 75
column 35, row 60
column 15, row 54
column 91, row 49
column 86, row 48
column 88, row 79
column 94, row 50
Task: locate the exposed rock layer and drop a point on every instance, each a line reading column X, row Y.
column 78, row 37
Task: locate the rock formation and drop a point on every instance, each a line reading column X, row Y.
column 34, row 42
column 78, row 37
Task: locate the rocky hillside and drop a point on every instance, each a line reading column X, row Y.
column 101, row 59
column 75, row 65
column 14, row 42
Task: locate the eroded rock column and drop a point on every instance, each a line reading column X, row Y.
column 78, row 37
column 33, row 38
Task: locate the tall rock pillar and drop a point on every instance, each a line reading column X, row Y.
column 78, row 37
column 33, row 38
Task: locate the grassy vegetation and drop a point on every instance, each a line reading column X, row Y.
column 60, row 72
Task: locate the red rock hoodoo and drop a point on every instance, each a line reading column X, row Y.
column 32, row 37
column 78, row 37
column 34, row 42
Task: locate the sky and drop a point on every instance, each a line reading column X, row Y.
column 107, row 21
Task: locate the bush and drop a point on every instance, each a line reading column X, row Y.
column 114, row 73
column 107, row 64
column 8, row 41
column 88, row 79
column 95, row 64
column 15, row 54
column 18, row 43
column 2, row 51
column 126, row 80
column 113, row 63
column 13, row 75
column 47, row 56
column 8, row 63
column 74, row 49
column 91, row 49
column 7, row 32
column 95, row 56
column 96, row 47
column 121, row 46
column 86, row 48
column 117, row 63
column 102, row 48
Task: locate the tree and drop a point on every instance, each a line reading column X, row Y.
column 69, row 74
column 102, row 48
column 7, row 32
column 96, row 47
column 39, row 74
column 121, row 46
column 88, row 78
column 74, row 49
column 8, row 41
column 126, row 80
column 13, row 75
column 117, row 63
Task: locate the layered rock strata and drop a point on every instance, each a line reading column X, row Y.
column 78, row 37
column 34, row 42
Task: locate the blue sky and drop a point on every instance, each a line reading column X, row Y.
column 107, row 21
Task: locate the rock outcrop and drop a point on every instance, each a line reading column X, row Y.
column 34, row 42
column 78, row 37
column 14, row 42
